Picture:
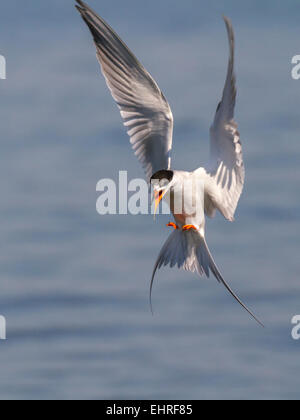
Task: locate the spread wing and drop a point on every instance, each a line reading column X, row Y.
column 144, row 109
column 227, row 173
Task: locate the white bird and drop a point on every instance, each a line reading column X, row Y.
column 149, row 120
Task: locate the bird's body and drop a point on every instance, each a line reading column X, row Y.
column 188, row 188
column 149, row 121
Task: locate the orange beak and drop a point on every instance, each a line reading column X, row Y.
column 158, row 196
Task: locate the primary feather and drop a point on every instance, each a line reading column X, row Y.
column 226, row 172
column 144, row 109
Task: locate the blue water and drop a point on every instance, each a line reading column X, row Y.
column 74, row 285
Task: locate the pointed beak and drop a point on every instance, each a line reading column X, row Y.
column 158, row 196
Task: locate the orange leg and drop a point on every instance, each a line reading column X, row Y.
column 189, row 227
column 172, row 225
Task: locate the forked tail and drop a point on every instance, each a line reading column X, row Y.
column 189, row 250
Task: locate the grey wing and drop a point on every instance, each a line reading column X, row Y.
column 227, row 173
column 144, row 109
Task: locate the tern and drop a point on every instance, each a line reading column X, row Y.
column 149, row 121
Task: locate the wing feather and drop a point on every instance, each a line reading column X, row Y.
column 144, row 109
column 227, row 173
